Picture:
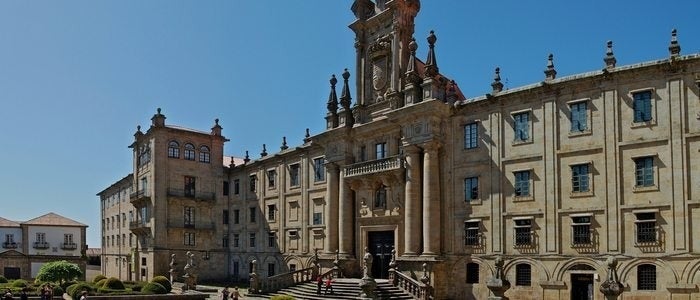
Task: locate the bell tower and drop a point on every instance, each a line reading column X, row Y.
column 383, row 31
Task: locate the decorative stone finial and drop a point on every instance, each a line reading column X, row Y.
column 345, row 94
column 425, row 278
column 307, row 136
column 674, row 48
column 158, row 111
column 247, row 157
column 232, row 163
column 363, row 9
column 216, row 129
column 550, row 72
column 158, row 120
column 497, row 85
column 138, row 128
column 431, row 67
column 609, row 59
column 332, row 104
column 284, row 143
column 411, row 70
column 264, row 151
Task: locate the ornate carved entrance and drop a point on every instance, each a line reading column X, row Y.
column 380, row 244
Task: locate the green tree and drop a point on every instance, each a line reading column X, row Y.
column 59, row 271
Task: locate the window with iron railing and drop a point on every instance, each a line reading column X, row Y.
column 523, row 232
column 471, row 233
column 646, row 229
column 646, row 277
column 581, row 230
column 523, row 275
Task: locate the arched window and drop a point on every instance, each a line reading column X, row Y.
column 646, row 277
column 380, row 197
column 173, row 149
column 189, row 151
column 204, row 154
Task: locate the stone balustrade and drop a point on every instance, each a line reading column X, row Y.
column 374, row 166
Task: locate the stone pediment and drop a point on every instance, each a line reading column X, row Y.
column 11, row 253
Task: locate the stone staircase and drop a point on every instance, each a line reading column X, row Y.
column 343, row 288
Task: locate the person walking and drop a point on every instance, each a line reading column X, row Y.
column 236, row 294
column 23, row 294
column 319, row 283
column 224, row 293
column 83, row 295
column 329, row 285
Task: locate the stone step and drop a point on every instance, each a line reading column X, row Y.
column 343, row 288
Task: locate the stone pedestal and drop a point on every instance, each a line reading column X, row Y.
column 498, row 285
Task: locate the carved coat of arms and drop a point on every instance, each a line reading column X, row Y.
column 380, row 66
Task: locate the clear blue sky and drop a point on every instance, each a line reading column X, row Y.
column 76, row 77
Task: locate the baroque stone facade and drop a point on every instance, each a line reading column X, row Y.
column 551, row 179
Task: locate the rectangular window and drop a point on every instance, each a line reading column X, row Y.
column 523, row 232
column 294, row 175
column 523, row 275
column 189, row 186
column 581, row 230
column 40, row 237
column 236, row 240
column 252, row 214
column 471, row 233
column 642, row 106
column 380, row 150
column 644, row 171
column 189, row 239
column 318, row 218
column 271, row 212
column 271, row 178
column 271, row 239
column 472, row 273
column 189, row 217
column 319, row 170
column 579, row 116
column 225, row 216
column 226, row 188
column 579, row 178
column 471, row 135
column 251, row 240
column 224, row 241
column 646, row 277
column 646, row 228
column 236, row 216
column 253, row 179
column 522, row 183
column 471, row 188
column 236, row 186
column 363, row 153
column 522, row 126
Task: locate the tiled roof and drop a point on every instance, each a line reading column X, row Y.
column 7, row 223
column 227, row 161
column 93, row 252
column 53, row 220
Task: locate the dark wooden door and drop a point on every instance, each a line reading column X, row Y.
column 380, row 245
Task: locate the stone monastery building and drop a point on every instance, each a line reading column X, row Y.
column 553, row 178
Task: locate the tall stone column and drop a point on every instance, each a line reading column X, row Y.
column 345, row 218
column 331, row 213
column 412, row 214
column 431, row 200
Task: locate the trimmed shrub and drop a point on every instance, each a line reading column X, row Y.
column 66, row 284
column 3, row 279
column 135, row 286
column 113, row 283
column 75, row 290
column 164, row 282
column 101, row 282
column 98, row 278
column 19, row 283
column 153, row 288
column 282, row 297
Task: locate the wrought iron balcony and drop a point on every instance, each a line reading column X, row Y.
column 374, row 166
column 69, row 246
column 11, row 245
column 139, row 227
column 182, row 193
column 41, row 245
column 139, row 196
